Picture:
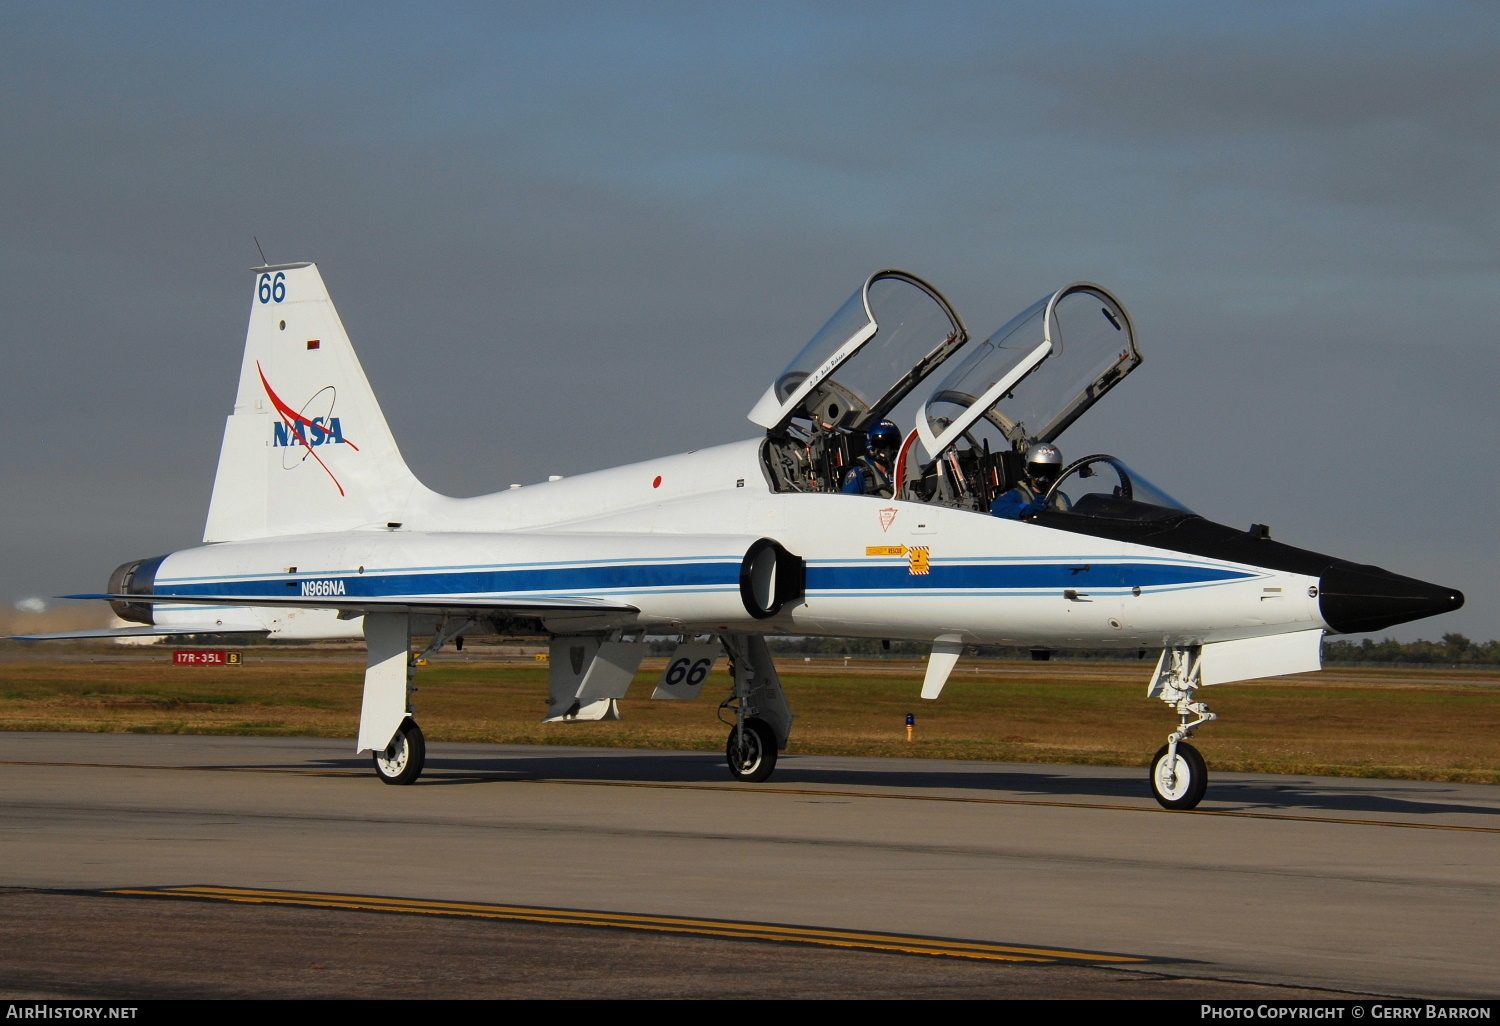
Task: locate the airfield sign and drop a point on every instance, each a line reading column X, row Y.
column 206, row 658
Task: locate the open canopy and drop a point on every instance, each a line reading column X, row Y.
column 892, row 333
column 1038, row 373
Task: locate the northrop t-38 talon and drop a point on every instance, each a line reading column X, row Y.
column 317, row 529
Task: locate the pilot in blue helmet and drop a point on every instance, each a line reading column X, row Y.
column 874, row 472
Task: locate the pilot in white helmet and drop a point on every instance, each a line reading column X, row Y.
column 1043, row 463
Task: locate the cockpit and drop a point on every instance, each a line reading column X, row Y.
column 880, row 345
column 967, row 434
column 1103, row 486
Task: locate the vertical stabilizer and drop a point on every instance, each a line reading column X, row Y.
column 307, row 449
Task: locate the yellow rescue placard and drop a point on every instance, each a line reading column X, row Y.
column 886, row 550
column 919, row 560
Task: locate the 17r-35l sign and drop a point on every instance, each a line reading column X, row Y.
column 205, row 658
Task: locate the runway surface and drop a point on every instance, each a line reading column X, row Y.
column 282, row 866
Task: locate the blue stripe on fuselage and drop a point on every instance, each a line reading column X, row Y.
column 575, row 580
column 882, row 577
column 1013, row 576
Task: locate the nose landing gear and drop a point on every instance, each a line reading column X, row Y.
column 1179, row 775
column 1178, row 778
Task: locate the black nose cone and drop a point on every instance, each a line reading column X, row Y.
column 1357, row 599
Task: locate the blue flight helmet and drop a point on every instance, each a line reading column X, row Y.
column 884, row 442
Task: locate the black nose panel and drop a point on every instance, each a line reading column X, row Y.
column 1355, row 599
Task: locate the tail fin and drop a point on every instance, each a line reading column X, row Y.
column 307, row 449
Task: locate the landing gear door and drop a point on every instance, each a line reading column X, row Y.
column 1037, row 374
column 891, row 334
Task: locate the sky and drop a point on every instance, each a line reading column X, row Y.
column 565, row 236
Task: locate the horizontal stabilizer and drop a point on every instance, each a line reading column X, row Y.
column 144, row 631
column 386, row 603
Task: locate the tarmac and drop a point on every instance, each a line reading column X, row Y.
column 176, row 866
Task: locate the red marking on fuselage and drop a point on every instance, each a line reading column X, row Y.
column 294, row 420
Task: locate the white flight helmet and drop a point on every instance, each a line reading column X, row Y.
column 1043, row 463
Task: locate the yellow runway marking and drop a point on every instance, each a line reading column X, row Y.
column 862, row 939
column 440, row 775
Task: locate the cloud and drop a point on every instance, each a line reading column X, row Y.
column 1395, row 112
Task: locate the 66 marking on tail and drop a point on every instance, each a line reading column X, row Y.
column 272, row 290
column 687, row 670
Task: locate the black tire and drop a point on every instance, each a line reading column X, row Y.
column 404, row 757
column 1191, row 778
column 755, row 761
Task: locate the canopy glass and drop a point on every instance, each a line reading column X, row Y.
column 891, row 334
column 1038, row 373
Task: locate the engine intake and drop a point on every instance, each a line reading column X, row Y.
column 771, row 578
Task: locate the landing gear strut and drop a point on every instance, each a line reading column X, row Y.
column 1179, row 776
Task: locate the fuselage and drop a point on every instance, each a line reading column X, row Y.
column 669, row 537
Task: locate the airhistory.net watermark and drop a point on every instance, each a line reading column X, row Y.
column 43, row 1010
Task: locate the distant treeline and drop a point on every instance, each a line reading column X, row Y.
column 1453, row 650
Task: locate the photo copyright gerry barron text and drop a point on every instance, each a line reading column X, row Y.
column 1344, row 1010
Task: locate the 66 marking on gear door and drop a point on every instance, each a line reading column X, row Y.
column 687, row 670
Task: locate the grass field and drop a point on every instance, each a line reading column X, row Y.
column 1408, row 723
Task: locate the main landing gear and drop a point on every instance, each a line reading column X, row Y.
column 401, row 761
column 751, row 751
column 762, row 717
column 387, row 722
column 1179, row 776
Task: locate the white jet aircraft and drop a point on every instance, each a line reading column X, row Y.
column 317, row 529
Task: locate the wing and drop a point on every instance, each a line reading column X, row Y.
column 144, row 631
column 358, row 606
column 347, row 607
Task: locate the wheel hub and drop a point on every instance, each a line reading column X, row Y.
column 1172, row 776
column 393, row 759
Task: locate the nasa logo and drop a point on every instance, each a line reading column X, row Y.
column 295, row 428
column 318, row 431
column 323, row 589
